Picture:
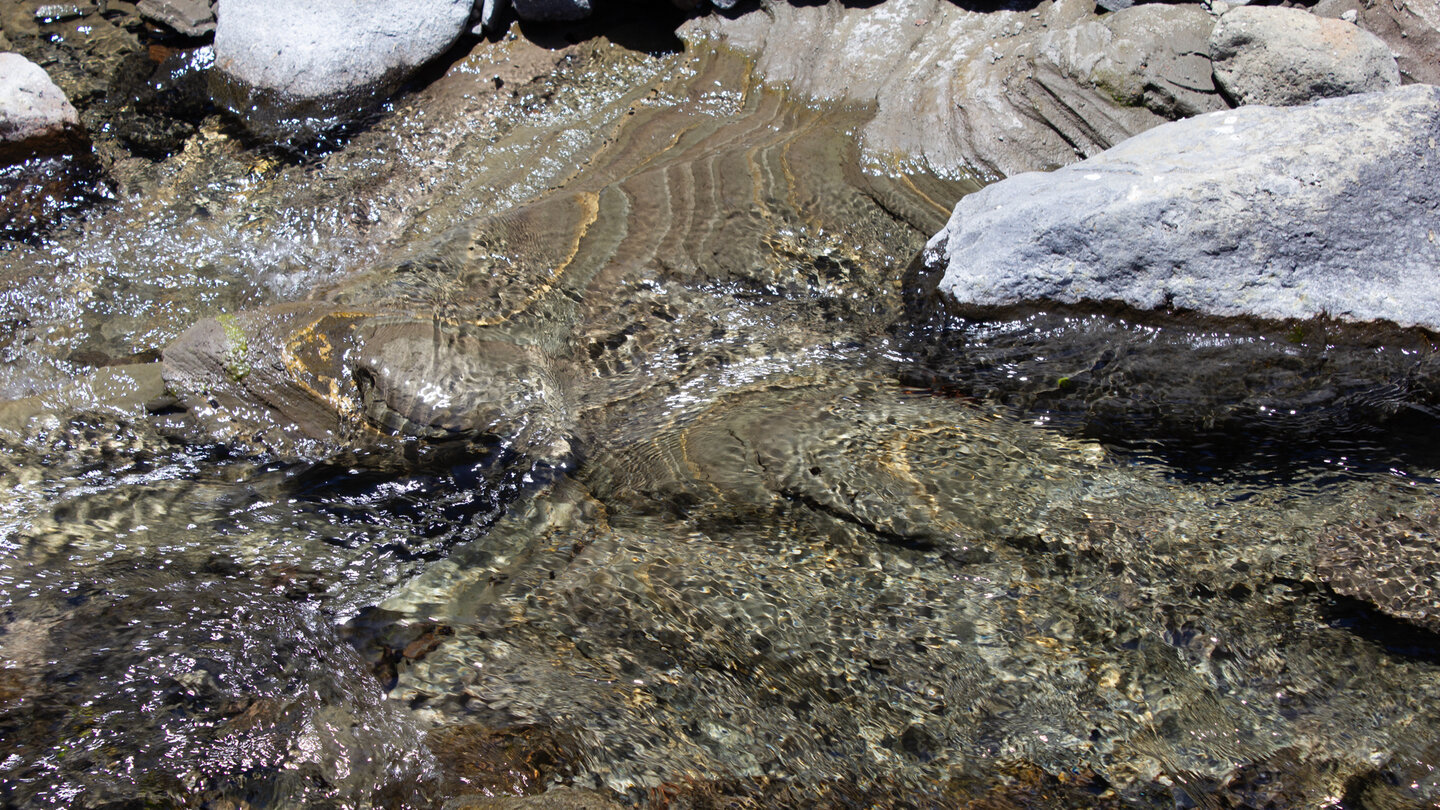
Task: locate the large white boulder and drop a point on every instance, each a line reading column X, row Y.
column 1273, row 212
column 294, row 71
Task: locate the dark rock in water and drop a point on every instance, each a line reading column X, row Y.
column 35, row 117
column 295, row 71
column 1328, row 209
column 240, row 692
column 1390, row 562
column 1284, row 56
column 511, row 761
column 37, row 193
column 1212, row 397
column 557, row 10
column 162, row 103
column 193, row 18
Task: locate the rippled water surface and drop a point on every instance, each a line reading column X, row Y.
column 601, row 434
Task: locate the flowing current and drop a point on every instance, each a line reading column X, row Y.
column 599, row 437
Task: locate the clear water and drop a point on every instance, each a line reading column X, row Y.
column 781, row 533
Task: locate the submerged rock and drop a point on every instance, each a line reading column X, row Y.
column 1289, row 56
column 294, row 71
column 1328, row 209
column 508, row 327
column 1391, row 562
column 35, row 117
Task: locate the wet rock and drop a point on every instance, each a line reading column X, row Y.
column 1272, row 213
column 552, row 10
column 293, row 72
column 193, row 18
column 996, row 92
column 514, row 761
column 237, row 671
column 1410, row 29
column 35, row 117
column 162, row 103
column 1391, row 562
column 305, row 379
column 1281, row 56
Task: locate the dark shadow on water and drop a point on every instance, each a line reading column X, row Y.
column 1214, row 399
column 1395, row 636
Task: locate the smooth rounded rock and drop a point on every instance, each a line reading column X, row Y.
column 35, row 116
column 1325, row 210
column 294, row 71
column 1271, row 55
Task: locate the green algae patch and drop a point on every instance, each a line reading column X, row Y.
column 237, row 347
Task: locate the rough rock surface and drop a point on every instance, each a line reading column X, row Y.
column 193, row 18
column 1411, row 28
column 995, row 91
column 1266, row 55
column 293, row 71
column 1156, row 56
column 35, row 116
column 1329, row 209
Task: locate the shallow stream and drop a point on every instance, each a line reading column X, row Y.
column 600, row 432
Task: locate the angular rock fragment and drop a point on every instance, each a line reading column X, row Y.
column 193, row 18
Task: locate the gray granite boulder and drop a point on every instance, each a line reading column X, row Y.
column 1327, row 209
column 1272, row 55
column 294, row 71
column 35, row 116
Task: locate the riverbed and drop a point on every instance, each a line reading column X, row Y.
column 741, row 515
